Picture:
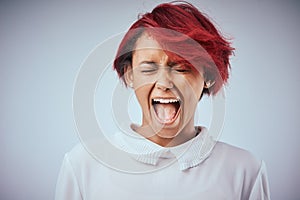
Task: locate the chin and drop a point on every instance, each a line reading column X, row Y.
column 168, row 131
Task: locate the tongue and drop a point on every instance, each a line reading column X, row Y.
column 165, row 112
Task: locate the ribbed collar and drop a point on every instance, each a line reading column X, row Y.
column 188, row 154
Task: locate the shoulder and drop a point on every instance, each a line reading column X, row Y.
column 241, row 166
column 80, row 159
column 78, row 152
column 234, row 153
column 236, row 158
column 92, row 155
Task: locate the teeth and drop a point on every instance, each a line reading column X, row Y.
column 165, row 100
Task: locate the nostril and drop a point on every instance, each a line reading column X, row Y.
column 164, row 85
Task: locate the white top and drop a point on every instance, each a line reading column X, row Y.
column 202, row 169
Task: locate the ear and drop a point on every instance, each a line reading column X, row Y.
column 208, row 84
column 128, row 75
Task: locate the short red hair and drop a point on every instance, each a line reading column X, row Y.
column 183, row 18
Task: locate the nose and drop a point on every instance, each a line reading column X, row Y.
column 164, row 81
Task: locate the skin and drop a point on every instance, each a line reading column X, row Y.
column 154, row 75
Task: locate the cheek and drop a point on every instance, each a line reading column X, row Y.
column 142, row 94
column 141, row 80
column 192, row 88
column 197, row 85
column 197, row 89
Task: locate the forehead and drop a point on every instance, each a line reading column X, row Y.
column 147, row 47
column 146, row 41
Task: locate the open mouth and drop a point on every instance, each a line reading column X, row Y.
column 166, row 110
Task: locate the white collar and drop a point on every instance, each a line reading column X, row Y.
column 188, row 154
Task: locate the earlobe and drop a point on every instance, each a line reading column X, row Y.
column 128, row 75
column 208, row 84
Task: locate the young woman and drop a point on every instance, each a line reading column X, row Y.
column 170, row 57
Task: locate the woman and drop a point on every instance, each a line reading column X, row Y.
column 171, row 57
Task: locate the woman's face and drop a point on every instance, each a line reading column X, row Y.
column 168, row 92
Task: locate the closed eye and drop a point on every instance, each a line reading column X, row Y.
column 181, row 69
column 148, row 70
column 148, row 67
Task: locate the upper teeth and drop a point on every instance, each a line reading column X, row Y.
column 165, row 100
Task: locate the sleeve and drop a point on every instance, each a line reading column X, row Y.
column 260, row 189
column 67, row 186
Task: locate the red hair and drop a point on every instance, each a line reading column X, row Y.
column 211, row 53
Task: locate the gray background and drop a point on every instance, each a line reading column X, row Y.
column 42, row 45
